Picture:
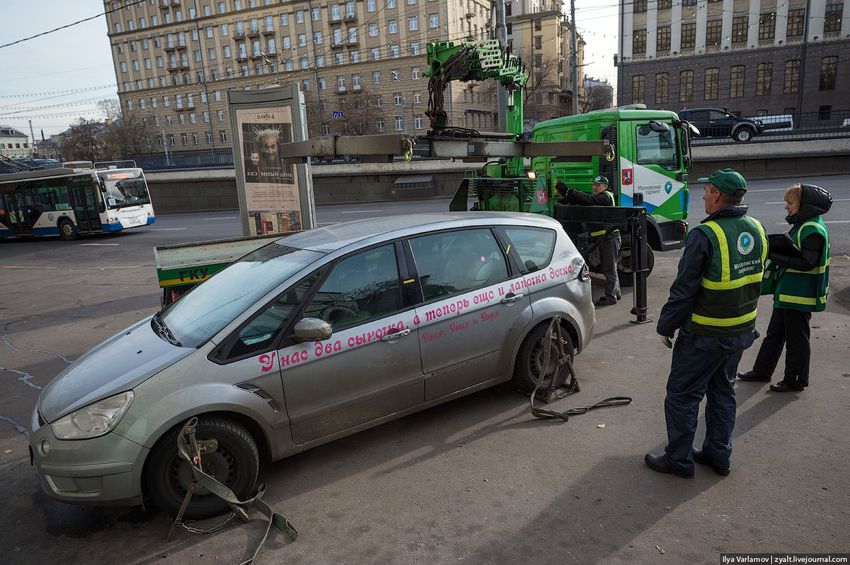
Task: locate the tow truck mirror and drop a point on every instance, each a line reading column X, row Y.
column 658, row 127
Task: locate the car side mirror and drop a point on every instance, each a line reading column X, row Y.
column 312, row 329
column 658, row 127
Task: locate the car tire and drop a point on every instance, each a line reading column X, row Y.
column 67, row 231
column 624, row 265
column 529, row 361
column 743, row 134
column 235, row 463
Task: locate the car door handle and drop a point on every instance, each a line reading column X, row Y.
column 395, row 335
column 510, row 298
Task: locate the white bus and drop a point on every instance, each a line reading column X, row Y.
column 73, row 202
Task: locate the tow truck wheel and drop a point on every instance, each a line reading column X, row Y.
column 529, row 363
column 235, row 463
column 624, row 265
column 67, row 230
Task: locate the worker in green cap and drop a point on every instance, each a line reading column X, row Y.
column 712, row 304
column 609, row 239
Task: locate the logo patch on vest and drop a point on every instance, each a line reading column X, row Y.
column 746, row 243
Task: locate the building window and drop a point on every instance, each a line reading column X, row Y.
column 639, row 42
column 832, row 18
column 662, row 39
column 689, row 35
column 736, row 81
column 433, row 21
column 413, row 23
column 392, row 26
column 686, row 86
column 184, row 139
column 379, row 126
column 739, row 29
column 662, row 82
column 795, row 22
column 665, row 4
column 713, row 32
column 375, row 53
column 767, row 26
column 764, row 78
column 640, row 6
column 638, row 89
column 828, row 70
column 399, row 123
column 712, row 83
column 415, row 73
column 792, row 76
column 376, row 77
column 222, row 136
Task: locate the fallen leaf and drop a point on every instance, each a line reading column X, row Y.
column 8, row 451
column 600, row 425
column 668, row 508
column 660, row 549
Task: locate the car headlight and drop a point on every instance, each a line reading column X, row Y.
column 96, row 419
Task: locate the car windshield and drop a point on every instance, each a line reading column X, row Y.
column 204, row 311
column 124, row 188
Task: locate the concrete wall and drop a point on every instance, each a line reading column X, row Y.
column 189, row 191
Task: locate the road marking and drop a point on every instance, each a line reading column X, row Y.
column 167, row 229
column 767, row 190
column 222, row 218
column 838, row 222
column 361, row 211
column 836, row 200
column 99, row 244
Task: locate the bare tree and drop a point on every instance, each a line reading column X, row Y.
column 361, row 112
column 83, row 141
column 598, row 96
column 543, row 92
column 128, row 132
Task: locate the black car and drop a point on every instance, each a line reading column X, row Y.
column 714, row 122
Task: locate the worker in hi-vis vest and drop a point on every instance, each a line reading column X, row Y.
column 712, row 304
column 800, row 286
column 609, row 240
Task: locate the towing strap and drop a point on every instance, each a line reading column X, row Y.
column 564, row 381
column 191, row 450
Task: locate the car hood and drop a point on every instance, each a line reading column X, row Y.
column 118, row 364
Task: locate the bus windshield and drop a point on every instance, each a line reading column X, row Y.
column 124, row 188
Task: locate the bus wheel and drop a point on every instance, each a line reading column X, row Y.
column 624, row 265
column 67, row 231
column 235, row 463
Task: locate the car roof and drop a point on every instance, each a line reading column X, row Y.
column 331, row 238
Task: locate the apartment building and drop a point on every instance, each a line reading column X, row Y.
column 540, row 33
column 175, row 59
column 756, row 57
column 14, row 143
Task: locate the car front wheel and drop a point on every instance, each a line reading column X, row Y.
column 743, row 135
column 235, row 463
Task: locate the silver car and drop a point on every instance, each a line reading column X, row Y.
column 313, row 337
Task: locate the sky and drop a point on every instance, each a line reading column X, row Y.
column 57, row 78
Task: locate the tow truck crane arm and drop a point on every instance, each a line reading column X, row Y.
column 472, row 61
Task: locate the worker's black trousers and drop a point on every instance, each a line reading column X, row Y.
column 788, row 328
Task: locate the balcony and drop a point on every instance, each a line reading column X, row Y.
column 241, row 57
column 355, row 88
column 254, row 32
column 353, row 41
column 175, row 45
column 239, row 34
column 341, row 89
column 350, row 17
column 257, row 55
column 178, row 66
column 337, row 44
column 268, row 31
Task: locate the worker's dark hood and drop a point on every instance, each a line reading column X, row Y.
column 814, row 201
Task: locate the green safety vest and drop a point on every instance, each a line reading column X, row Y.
column 730, row 287
column 600, row 233
column 805, row 290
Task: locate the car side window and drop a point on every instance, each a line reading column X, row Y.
column 457, row 261
column 715, row 115
column 533, row 245
column 360, row 288
column 261, row 332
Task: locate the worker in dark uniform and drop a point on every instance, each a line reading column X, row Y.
column 713, row 306
column 609, row 244
column 802, row 287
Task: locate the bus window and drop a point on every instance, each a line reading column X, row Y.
column 124, row 188
column 656, row 148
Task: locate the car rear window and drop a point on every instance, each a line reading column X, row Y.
column 534, row 246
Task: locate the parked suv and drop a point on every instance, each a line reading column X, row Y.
column 310, row 338
column 714, row 122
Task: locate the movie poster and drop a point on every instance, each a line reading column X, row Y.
column 271, row 187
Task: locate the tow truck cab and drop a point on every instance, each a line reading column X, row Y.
column 651, row 170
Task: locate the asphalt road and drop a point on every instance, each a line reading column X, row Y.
column 477, row 480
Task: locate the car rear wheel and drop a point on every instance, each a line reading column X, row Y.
column 529, row 363
column 743, row 134
column 235, row 463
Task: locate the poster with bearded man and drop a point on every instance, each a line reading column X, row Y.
column 271, row 186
